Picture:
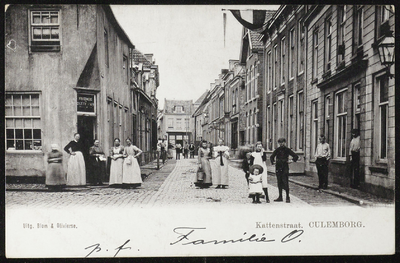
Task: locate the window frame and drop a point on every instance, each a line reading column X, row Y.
column 358, row 23
column 381, row 21
column 315, row 55
column 300, row 120
column 301, row 48
column 292, row 37
column 341, row 25
column 56, row 47
column 275, row 73
column 379, row 106
column 106, row 48
column 327, row 116
column 283, row 60
column 290, row 122
column 328, row 44
column 314, row 126
column 269, row 71
column 338, row 117
column 23, row 122
column 269, row 127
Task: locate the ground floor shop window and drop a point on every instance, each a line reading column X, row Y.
column 23, row 124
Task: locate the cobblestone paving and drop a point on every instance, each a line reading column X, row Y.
column 313, row 197
column 36, row 195
column 171, row 185
column 179, row 189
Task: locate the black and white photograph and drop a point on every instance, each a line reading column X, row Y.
column 138, row 131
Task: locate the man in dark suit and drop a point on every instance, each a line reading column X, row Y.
column 282, row 168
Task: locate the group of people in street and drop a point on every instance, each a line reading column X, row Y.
column 213, row 165
column 124, row 167
column 323, row 155
column 188, row 150
column 255, row 168
column 213, row 168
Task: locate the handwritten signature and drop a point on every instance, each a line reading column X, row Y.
column 185, row 232
column 97, row 248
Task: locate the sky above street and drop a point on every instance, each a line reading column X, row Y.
column 187, row 43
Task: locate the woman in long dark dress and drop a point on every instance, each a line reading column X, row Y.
column 55, row 177
column 76, row 173
column 204, row 165
column 98, row 163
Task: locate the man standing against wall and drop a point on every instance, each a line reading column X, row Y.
column 354, row 153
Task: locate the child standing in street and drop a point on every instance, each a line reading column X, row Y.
column 255, row 183
column 259, row 157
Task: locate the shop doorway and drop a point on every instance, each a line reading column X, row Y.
column 86, row 129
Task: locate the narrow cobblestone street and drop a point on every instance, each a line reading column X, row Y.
column 171, row 185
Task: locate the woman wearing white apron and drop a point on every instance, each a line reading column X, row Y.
column 221, row 164
column 117, row 160
column 76, row 172
column 131, row 176
column 259, row 157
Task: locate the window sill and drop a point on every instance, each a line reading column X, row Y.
column 338, row 161
column 378, row 169
column 33, row 152
column 340, row 66
column 314, row 81
column 326, row 74
column 300, row 73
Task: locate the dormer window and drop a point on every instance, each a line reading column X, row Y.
column 178, row 109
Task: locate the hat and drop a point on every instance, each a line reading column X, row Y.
column 54, row 146
column 256, row 166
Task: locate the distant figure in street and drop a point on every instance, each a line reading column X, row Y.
column 98, row 160
column 76, row 173
column 255, row 183
column 259, row 157
column 191, row 150
column 186, row 151
column 354, row 153
column 170, row 151
column 131, row 175
column 204, row 164
column 117, row 160
column 282, row 168
column 322, row 155
column 55, row 177
column 220, row 174
column 162, row 150
column 178, row 149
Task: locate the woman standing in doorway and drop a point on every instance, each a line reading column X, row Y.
column 117, row 160
column 131, row 176
column 76, row 173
